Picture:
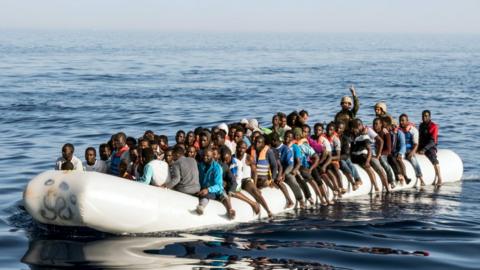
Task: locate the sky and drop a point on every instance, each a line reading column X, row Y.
column 352, row 16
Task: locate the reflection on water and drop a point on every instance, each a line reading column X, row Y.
column 366, row 232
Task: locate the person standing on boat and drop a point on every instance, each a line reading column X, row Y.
column 427, row 143
column 348, row 113
column 67, row 155
column 211, row 183
column 121, row 152
column 184, row 173
column 411, row 143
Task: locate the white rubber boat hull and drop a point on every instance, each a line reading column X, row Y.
column 111, row 204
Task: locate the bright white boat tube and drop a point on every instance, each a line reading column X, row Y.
column 111, row 204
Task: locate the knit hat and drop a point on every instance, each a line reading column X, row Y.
column 223, row 127
column 382, row 105
column 346, row 99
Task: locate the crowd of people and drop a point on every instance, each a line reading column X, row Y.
column 217, row 163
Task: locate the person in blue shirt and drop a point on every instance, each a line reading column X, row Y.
column 211, row 183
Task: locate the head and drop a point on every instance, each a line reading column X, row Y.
column 298, row 133
column 149, row 135
column 231, row 131
column 389, row 123
column 241, row 149
column 219, row 137
column 403, row 119
column 292, row 118
column 143, row 143
column 226, row 156
column 331, row 129
column 276, row 121
column 283, row 119
column 178, row 152
column 163, row 142
column 67, row 166
column 208, row 156
column 357, row 126
column 380, row 109
column 180, row 137
column 131, row 142
column 190, row 140
column 340, row 128
column 377, row 124
column 105, row 151
column 191, row 151
column 67, row 151
column 288, row 138
column 134, row 155
column 155, row 146
column 120, row 140
column 238, row 137
column 90, row 155
column 223, row 127
column 169, row 156
column 260, row 143
column 275, row 139
column 122, row 167
column 346, row 103
column 318, row 129
column 204, row 140
column 303, row 116
column 426, row 116
column 147, row 155
column 255, row 135
column 306, row 130
column 216, row 153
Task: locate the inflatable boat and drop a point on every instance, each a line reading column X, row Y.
column 111, row 204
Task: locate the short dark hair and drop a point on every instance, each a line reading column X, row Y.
column 302, row 113
column 163, row 137
column 356, row 122
column 104, row 145
column 122, row 135
column 148, row 154
column 180, row 132
column 131, row 139
column 69, row 145
column 281, row 115
column 91, row 149
column 427, row 111
column 67, row 166
column 403, row 115
column 179, row 150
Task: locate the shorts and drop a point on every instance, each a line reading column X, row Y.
column 215, row 196
column 243, row 184
column 263, row 182
column 360, row 159
column 432, row 156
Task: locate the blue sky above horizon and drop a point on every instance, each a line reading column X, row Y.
column 339, row 16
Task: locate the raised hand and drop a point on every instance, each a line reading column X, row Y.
column 352, row 90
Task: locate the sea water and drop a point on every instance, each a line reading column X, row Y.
column 81, row 87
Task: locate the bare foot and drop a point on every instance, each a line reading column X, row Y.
column 256, row 209
column 289, row 205
column 359, row 182
column 231, row 214
column 302, row 204
column 332, row 202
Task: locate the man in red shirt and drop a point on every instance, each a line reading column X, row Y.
column 427, row 143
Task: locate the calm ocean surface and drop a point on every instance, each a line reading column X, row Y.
column 81, row 87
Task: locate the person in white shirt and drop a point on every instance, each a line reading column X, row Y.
column 67, row 155
column 92, row 164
